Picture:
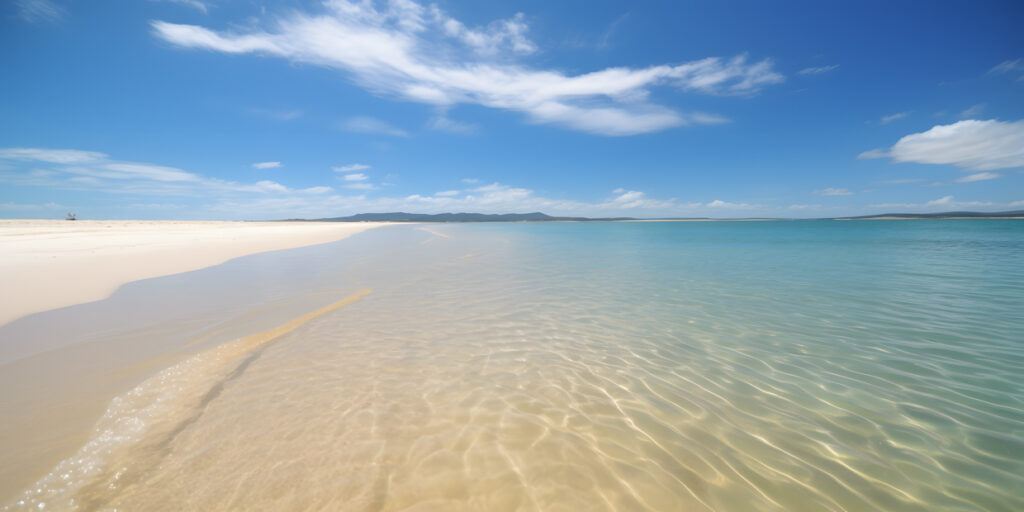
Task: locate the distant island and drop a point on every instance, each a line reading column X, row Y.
column 542, row 217
column 943, row 215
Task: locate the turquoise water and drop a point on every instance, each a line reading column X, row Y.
column 800, row 365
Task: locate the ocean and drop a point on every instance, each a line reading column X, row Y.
column 728, row 366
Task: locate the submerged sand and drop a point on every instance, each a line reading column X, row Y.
column 48, row 264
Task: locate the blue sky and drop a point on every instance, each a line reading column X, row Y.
column 241, row 109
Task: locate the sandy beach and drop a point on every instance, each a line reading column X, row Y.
column 50, row 264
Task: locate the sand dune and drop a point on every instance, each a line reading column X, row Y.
column 47, row 264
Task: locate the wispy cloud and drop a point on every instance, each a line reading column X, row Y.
column 95, row 171
column 443, row 123
column 833, row 192
column 364, row 124
column 818, row 70
column 195, row 4
column 980, row 176
column 1009, row 66
column 350, row 168
column 422, row 54
column 361, row 186
column 973, row 111
column 606, row 37
column 280, row 114
column 266, row 165
column 943, row 203
column 973, row 145
column 53, row 156
column 892, row 117
column 40, row 11
column 355, row 177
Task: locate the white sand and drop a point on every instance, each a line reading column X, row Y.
column 47, row 264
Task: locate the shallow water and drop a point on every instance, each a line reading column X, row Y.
column 808, row 365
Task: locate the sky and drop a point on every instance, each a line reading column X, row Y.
column 253, row 110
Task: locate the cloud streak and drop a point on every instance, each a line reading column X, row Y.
column 421, row 54
column 818, row 70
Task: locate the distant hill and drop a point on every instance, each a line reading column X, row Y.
column 943, row 215
column 458, row 217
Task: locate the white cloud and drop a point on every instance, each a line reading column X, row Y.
column 717, row 203
column 447, row 193
column 350, row 168
column 833, row 192
column 890, row 118
column 873, row 153
column 817, row 71
column 317, row 190
column 39, row 11
column 358, row 176
column 980, row 176
column 371, row 125
column 421, row 54
column 470, row 180
column 973, row 111
column 631, row 199
column 972, row 145
column 266, row 165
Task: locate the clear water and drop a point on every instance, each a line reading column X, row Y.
column 805, row 365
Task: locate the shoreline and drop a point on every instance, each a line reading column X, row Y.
column 52, row 264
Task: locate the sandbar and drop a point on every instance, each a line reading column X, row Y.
column 50, row 264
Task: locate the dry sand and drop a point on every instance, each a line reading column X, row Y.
column 47, row 264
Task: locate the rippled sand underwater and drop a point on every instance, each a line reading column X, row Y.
column 710, row 366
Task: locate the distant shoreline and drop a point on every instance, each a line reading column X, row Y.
column 542, row 217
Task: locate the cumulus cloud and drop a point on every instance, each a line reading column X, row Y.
column 818, row 70
column 833, row 192
column 416, row 53
column 972, row 145
column 266, row 165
